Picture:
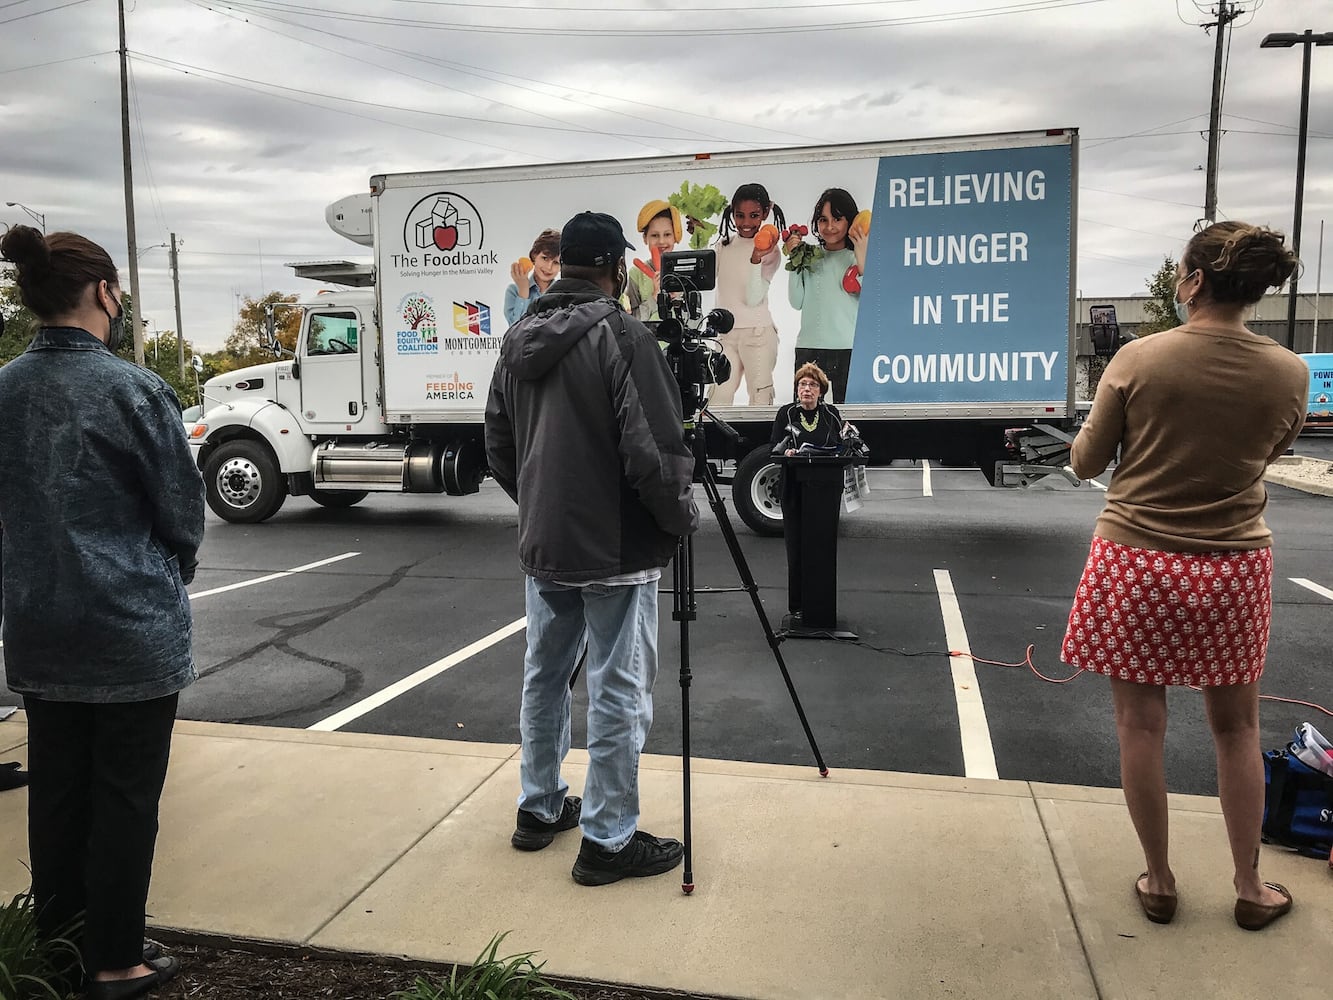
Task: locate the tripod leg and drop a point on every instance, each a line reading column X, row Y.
column 683, row 610
column 747, row 579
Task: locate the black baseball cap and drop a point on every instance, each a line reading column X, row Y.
column 592, row 239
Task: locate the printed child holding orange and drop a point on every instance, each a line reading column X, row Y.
column 533, row 275
column 746, row 264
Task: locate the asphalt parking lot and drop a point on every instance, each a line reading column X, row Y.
column 404, row 616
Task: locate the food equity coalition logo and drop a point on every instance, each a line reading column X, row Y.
column 421, row 335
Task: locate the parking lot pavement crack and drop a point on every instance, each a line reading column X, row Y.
column 293, row 625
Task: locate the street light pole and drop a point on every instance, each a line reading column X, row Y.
column 1285, row 40
column 35, row 216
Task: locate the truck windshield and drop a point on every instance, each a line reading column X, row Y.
column 332, row 333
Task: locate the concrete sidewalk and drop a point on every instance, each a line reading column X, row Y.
column 865, row 884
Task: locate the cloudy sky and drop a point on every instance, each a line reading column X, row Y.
column 249, row 116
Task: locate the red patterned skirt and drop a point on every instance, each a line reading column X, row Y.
column 1199, row 618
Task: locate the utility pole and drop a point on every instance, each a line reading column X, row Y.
column 176, row 287
column 137, row 325
column 1226, row 13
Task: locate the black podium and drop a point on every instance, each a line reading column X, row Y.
column 812, row 488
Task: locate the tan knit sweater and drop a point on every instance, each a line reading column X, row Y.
column 1198, row 414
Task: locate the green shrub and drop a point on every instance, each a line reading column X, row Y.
column 31, row 969
column 512, row 978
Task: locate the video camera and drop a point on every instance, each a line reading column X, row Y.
column 692, row 349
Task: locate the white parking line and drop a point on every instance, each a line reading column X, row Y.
column 1099, row 485
column 978, row 752
column 365, row 705
column 1300, row 581
column 926, row 491
column 266, row 579
column 273, row 576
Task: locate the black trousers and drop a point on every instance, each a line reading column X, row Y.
column 96, row 779
column 837, row 365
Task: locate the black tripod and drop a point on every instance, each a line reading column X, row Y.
column 684, row 611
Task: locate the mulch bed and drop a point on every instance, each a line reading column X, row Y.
column 276, row 973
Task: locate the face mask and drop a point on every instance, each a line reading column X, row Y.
column 1182, row 309
column 622, row 281
column 116, row 335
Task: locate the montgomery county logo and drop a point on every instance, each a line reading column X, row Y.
column 419, row 333
column 472, row 318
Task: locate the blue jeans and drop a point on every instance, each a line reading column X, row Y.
column 621, row 628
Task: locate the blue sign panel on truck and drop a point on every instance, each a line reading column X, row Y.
column 1320, row 413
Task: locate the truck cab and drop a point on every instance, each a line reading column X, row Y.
column 312, row 422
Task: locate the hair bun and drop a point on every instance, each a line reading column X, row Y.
column 26, row 247
column 1263, row 252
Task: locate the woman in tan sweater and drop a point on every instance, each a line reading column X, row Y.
column 1178, row 584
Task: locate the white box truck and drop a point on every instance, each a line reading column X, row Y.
column 961, row 350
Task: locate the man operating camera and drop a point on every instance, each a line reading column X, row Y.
column 583, row 430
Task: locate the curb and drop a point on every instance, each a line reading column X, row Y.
column 1276, row 476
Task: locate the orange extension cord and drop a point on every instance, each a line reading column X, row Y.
column 1027, row 662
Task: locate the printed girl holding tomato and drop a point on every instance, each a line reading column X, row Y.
column 828, row 290
column 746, row 263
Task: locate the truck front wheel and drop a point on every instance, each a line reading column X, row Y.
column 756, row 491
column 243, row 483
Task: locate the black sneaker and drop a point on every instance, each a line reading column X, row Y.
column 644, row 855
column 532, row 834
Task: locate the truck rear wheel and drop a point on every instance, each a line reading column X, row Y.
column 338, row 499
column 243, row 483
column 755, row 492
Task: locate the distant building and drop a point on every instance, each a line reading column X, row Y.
column 1268, row 317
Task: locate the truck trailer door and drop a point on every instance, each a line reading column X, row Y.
column 332, row 399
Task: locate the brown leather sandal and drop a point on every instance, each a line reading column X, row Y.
column 1256, row 916
column 1160, row 908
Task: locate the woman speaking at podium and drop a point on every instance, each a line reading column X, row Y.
column 808, row 426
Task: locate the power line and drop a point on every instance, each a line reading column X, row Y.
column 1024, row 7
column 48, row 10
column 143, row 143
column 1141, row 197
column 210, row 73
column 489, row 74
column 341, row 111
column 57, row 62
column 404, row 73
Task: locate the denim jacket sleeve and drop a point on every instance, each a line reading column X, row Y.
column 170, row 478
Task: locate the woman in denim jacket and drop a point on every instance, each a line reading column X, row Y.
column 102, row 514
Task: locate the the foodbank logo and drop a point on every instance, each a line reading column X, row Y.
column 419, row 333
column 444, row 229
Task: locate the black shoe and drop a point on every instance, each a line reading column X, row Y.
column 164, row 971
column 533, row 834
column 151, row 951
column 644, row 855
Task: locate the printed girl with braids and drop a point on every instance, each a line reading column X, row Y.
column 746, row 263
column 828, row 292
column 1178, row 585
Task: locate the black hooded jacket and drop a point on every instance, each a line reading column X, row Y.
column 583, row 430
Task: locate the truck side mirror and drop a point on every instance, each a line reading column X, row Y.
column 269, row 328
